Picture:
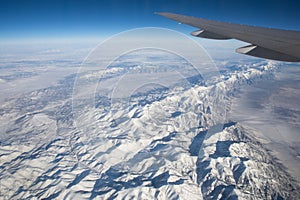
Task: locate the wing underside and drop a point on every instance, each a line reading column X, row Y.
column 275, row 44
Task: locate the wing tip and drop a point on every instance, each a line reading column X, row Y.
column 164, row 14
column 170, row 15
column 158, row 12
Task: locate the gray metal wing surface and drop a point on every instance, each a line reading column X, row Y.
column 270, row 43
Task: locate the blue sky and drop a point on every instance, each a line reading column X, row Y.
column 29, row 19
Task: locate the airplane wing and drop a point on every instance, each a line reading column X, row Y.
column 270, row 43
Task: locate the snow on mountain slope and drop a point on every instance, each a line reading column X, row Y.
column 162, row 144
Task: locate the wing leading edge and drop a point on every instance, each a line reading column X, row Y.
column 275, row 44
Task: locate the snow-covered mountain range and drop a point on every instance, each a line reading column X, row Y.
column 170, row 142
